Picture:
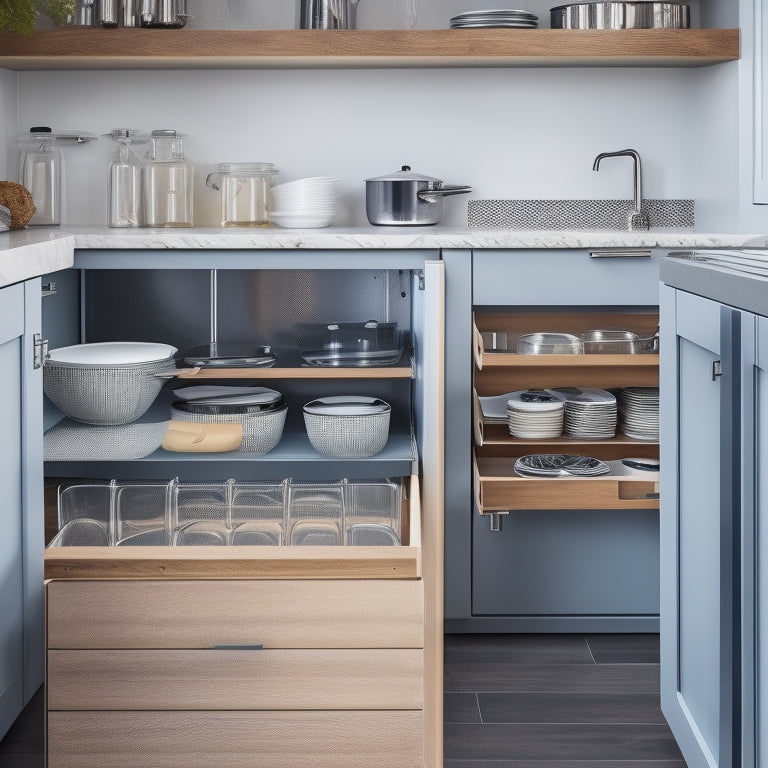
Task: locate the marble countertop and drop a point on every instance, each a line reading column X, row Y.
column 35, row 251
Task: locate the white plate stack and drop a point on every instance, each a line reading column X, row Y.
column 639, row 412
column 590, row 414
column 534, row 414
column 308, row 203
column 512, row 19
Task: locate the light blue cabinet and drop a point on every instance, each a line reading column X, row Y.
column 546, row 570
column 714, row 515
column 700, row 371
column 21, row 511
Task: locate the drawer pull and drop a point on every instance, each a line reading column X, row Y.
column 621, row 253
column 246, row 647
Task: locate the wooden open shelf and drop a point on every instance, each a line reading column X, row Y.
column 96, row 48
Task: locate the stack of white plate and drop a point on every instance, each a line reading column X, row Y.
column 639, row 412
column 534, row 414
column 512, row 19
column 305, row 203
column 590, row 414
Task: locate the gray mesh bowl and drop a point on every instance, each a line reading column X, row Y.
column 261, row 431
column 347, row 437
column 106, row 395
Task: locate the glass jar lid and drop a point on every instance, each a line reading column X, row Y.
column 248, row 169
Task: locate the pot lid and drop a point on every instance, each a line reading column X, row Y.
column 406, row 174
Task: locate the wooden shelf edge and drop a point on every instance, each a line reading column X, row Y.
column 232, row 563
column 510, row 360
column 309, row 372
column 86, row 48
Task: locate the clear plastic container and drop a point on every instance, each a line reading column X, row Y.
column 245, row 191
column 124, row 181
column 168, row 183
column 549, row 344
column 372, row 512
column 315, row 514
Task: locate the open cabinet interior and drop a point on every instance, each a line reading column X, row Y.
column 213, row 603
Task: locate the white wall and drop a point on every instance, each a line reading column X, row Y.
column 509, row 133
column 8, row 124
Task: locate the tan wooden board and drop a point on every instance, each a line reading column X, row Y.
column 333, row 739
column 201, row 614
column 234, row 678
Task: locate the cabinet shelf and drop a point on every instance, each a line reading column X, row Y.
column 495, row 440
column 309, row 372
column 84, row 48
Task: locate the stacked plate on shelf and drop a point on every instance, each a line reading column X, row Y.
column 590, row 414
column 638, row 409
column 305, row 203
column 512, row 19
column 534, row 414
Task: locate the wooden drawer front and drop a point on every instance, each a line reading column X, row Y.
column 235, row 739
column 202, row 614
column 236, row 679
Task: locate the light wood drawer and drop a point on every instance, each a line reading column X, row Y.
column 201, row 614
column 235, row 739
column 236, row 679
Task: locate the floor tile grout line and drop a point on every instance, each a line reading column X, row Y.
column 589, row 649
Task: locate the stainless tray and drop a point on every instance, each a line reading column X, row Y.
column 230, row 355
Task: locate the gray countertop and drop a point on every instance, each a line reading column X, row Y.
column 35, row 251
column 737, row 279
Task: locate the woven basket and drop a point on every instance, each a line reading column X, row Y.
column 261, row 431
column 348, row 437
column 107, row 395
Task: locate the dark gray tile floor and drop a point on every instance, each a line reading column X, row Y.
column 516, row 701
column 555, row 701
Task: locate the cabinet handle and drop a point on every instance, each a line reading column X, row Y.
column 244, row 647
column 621, row 253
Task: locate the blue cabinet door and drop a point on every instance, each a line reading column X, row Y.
column 11, row 542
column 21, row 511
column 700, row 374
column 754, row 731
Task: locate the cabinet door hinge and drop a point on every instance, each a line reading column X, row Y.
column 717, row 369
column 40, row 351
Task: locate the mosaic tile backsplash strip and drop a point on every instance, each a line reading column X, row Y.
column 575, row 214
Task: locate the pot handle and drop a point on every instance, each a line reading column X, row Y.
column 431, row 195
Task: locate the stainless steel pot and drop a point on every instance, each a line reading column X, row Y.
column 641, row 14
column 164, row 13
column 405, row 198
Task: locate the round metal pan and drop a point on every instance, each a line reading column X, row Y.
column 630, row 15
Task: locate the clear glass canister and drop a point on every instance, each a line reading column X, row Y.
column 168, row 183
column 124, row 180
column 41, row 175
column 245, row 190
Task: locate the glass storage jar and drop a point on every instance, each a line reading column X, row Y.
column 245, row 193
column 168, row 183
column 41, row 175
column 124, row 181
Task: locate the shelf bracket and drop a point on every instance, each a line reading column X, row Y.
column 496, row 521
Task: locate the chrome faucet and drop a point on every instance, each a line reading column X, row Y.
column 637, row 219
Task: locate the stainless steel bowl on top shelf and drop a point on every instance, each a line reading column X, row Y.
column 640, row 14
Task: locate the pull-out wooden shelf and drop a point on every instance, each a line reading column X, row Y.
column 499, row 489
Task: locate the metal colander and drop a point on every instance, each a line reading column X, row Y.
column 107, row 395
